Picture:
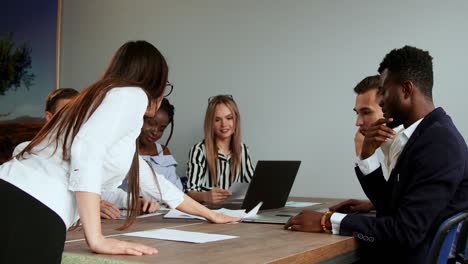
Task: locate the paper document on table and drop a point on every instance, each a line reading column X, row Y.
column 174, row 213
column 240, row 213
column 254, row 211
column 238, row 190
column 300, row 204
column 123, row 215
column 177, row 235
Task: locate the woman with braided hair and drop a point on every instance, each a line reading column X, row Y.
column 159, row 156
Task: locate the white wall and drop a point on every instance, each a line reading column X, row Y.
column 290, row 65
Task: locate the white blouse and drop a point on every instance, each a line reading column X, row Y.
column 165, row 165
column 162, row 191
column 101, row 155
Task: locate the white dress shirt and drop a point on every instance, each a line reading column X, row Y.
column 148, row 188
column 161, row 191
column 20, row 147
column 391, row 151
column 165, row 165
column 391, row 157
column 100, row 156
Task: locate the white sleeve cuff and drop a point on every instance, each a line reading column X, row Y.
column 368, row 165
column 118, row 197
column 335, row 220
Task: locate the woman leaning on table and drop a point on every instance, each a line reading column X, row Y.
column 59, row 176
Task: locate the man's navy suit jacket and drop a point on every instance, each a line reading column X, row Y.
column 428, row 184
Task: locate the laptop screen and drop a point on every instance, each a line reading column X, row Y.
column 271, row 184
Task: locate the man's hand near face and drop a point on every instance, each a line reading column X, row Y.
column 375, row 136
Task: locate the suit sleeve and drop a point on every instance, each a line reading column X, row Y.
column 375, row 188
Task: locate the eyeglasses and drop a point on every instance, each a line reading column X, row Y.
column 169, row 88
column 228, row 96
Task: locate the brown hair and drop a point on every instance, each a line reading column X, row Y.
column 210, row 140
column 136, row 63
column 367, row 84
column 57, row 95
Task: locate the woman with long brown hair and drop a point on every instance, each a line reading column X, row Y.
column 88, row 146
column 221, row 159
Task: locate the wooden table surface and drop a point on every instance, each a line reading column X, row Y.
column 256, row 243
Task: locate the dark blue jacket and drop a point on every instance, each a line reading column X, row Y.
column 428, row 184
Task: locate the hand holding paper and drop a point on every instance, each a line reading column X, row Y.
column 216, row 195
column 238, row 190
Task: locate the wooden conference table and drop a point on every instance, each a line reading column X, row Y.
column 256, row 243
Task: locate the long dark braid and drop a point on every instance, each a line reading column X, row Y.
column 169, row 109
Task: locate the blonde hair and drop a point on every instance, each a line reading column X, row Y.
column 210, row 137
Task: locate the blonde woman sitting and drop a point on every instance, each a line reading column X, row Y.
column 221, row 158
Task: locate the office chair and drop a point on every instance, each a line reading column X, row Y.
column 446, row 236
column 461, row 253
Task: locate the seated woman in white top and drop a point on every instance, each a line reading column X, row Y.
column 87, row 147
column 159, row 156
column 221, row 159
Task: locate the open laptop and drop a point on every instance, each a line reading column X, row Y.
column 271, row 184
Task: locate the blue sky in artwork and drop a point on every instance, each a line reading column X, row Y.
column 34, row 22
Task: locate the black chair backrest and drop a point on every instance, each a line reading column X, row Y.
column 462, row 245
column 444, row 238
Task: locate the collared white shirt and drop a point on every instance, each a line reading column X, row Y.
column 161, row 191
column 20, row 147
column 149, row 190
column 372, row 163
column 100, row 156
column 392, row 149
column 385, row 156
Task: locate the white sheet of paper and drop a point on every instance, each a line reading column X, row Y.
column 174, row 213
column 254, row 211
column 178, row 235
column 123, row 215
column 238, row 190
column 300, row 204
column 234, row 213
